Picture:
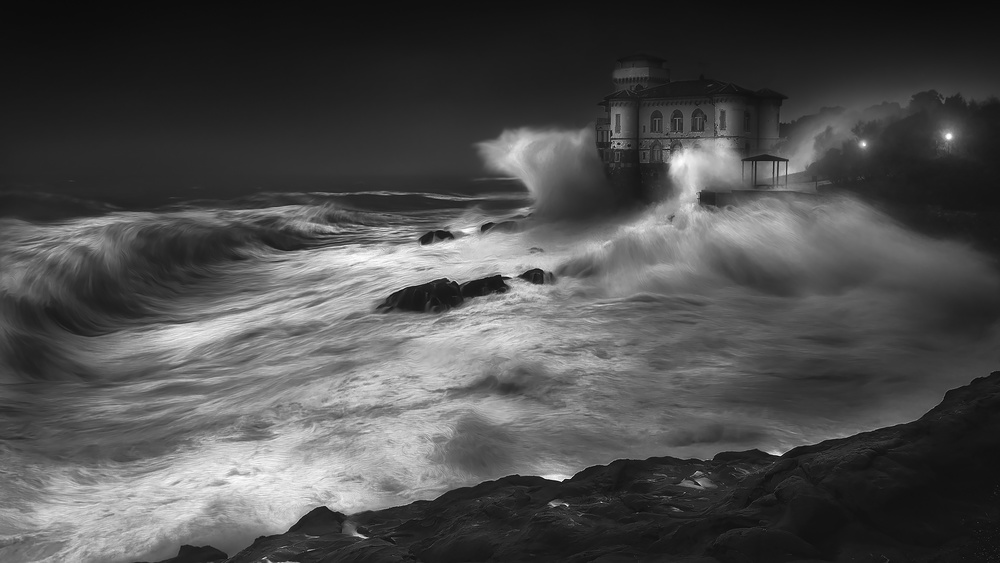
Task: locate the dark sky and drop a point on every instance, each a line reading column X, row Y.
column 243, row 92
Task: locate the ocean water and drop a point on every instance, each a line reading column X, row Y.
column 205, row 371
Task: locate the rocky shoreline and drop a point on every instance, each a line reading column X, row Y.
column 926, row 491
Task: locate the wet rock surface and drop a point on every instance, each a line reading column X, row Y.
column 484, row 286
column 501, row 227
column 927, row 491
column 442, row 294
column 434, row 296
column 195, row 554
column 538, row 276
column 436, row 236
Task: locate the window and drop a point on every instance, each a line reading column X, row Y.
column 722, row 120
column 618, row 123
column 656, row 122
column 746, row 121
column 677, row 121
column 657, row 152
column 698, row 120
column 618, row 156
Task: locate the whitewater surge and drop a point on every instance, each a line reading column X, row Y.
column 209, row 372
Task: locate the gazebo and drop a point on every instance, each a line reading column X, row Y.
column 775, row 169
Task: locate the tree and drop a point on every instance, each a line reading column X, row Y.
column 928, row 101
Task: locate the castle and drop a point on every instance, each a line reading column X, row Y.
column 649, row 116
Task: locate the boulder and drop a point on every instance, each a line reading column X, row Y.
column 435, row 236
column 503, row 227
column 320, row 520
column 538, row 276
column 196, row 554
column 434, row 296
column 484, row 286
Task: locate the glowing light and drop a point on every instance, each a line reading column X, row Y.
column 948, row 136
column 863, row 144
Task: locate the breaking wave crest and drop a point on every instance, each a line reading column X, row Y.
column 839, row 248
column 87, row 279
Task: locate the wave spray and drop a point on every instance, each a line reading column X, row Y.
column 560, row 168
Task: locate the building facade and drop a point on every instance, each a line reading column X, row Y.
column 649, row 117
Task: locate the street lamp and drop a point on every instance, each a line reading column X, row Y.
column 948, row 138
column 863, row 143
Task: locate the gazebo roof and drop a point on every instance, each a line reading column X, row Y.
column 765, row 158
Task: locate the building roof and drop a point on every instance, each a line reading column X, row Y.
column 769, row 93
column 703, row 87
column 765, row 158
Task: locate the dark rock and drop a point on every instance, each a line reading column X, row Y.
column 435, row 296
column 538, row 276
column 194, row 554
column 748, row 545
column 304, row 548
column 320, row 521
column 503, row 226
column 435, row 236
column 484, row 286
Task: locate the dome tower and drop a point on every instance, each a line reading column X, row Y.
column 639, row 71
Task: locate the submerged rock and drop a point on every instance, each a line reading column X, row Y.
column 538, row 276
column 484, row 286
column 435, row 236
column 923, row 491
column 434, row 296
column 503, row 226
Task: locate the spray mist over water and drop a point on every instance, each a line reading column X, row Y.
column 694, row 170
column 560, row 168
column 813, row 135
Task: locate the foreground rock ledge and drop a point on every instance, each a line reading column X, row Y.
column 926, row 491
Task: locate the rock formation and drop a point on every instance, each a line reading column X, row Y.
column 435, row 296
column 484, row 286
column 538, row 276
column 502, row 226
column 435, row 236
column 927, row 491
column 442, row 294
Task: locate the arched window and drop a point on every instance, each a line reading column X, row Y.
column 657, row 150
column 698, row 121
column 674, row 148
column 656, row 122
column 677, row 121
